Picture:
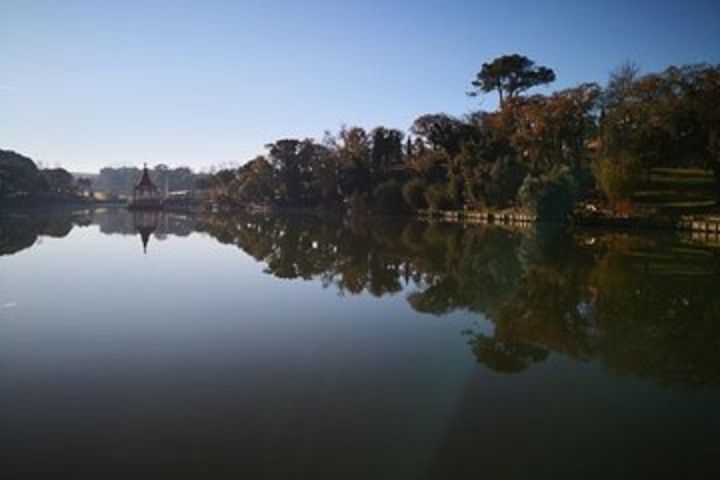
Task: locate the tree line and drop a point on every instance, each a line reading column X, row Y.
column 22, row 183
column 122, row 180
column 539, row 152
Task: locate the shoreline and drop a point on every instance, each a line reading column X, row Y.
column 698, row 225
column 703, row 223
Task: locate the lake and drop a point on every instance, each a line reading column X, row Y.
column 165, row 346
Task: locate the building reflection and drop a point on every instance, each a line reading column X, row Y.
column 641, row 305
column 146, row 222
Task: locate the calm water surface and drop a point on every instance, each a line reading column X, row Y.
column 295, row 347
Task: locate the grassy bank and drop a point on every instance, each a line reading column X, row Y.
column 675, row 192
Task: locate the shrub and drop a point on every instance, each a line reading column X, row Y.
column 506, row 178
column 550, row 196
column 388, row 196
column 414, row 194
column 358, row 202
column 438, row 198
column 618, row 176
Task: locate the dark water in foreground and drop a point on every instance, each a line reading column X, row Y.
column 294, row 347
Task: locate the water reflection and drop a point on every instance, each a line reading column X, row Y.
column 21, row 231
column 644, row 306
column 446, row 347
column 146, row 222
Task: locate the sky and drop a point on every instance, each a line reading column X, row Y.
column 88, row 84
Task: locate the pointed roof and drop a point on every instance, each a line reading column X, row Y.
column 145, row 180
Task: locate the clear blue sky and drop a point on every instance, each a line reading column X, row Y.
column 85, row 84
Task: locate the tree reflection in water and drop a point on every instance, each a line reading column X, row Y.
column 19, row 231
column 646, row 306
column 146, row 222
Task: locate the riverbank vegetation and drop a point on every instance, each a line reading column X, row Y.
column 608, row 147
column 23, row 184
column 643, row 145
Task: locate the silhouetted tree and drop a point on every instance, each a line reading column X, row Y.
column 510, row 75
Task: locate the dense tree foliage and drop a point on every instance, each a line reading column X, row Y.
column 22, row 183
column 541, row 153
column 666, row 119
column 510, row 75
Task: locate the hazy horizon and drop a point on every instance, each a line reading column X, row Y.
column 200, row 84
